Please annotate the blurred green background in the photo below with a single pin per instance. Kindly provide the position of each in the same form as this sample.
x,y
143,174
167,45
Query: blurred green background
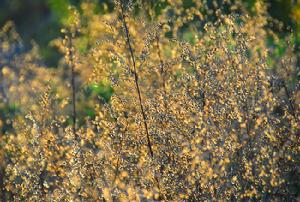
x,y
41,20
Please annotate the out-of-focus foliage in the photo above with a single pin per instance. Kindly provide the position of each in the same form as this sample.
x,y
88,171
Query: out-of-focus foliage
x,y
178,100
40,20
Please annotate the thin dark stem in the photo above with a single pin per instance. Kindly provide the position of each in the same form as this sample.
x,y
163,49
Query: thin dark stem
x,y
136,80
74,115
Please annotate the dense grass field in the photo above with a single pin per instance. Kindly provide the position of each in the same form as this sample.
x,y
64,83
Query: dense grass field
x,y
168,100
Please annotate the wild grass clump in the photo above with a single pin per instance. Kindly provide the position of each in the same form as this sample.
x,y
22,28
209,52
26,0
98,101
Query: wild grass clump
x,y
195,108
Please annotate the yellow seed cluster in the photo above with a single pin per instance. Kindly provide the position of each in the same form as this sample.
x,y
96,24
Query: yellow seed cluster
x,y
193,84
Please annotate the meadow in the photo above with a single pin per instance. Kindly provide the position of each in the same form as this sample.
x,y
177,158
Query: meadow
x,y
178,100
